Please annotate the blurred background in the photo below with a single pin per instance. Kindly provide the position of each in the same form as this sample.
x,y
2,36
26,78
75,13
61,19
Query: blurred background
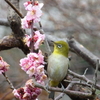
x,y
60,19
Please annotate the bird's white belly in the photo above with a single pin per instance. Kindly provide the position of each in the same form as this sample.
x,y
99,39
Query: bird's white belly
x,y
57,67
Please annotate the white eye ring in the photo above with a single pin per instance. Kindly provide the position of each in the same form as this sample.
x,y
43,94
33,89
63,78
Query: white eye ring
x,y
59,46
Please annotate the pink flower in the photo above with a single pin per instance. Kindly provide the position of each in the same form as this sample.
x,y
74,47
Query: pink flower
x,y
3,66
28,92
34,14
18,93
27,40
38,39
28,5
25,64
31,71
15,92
25,23
41,57
30,82
30,63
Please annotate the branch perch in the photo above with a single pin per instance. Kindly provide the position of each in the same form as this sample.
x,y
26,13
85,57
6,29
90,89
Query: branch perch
x,y
83,52
68,92
10,41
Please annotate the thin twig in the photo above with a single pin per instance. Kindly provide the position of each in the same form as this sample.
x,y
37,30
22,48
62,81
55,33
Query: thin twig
x,y
76,82
84,74
85,71
32,41
83,78
40,25
7,79
17,11
60,96
95,77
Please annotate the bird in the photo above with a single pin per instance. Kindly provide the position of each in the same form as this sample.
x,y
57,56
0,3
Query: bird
x,y
58,64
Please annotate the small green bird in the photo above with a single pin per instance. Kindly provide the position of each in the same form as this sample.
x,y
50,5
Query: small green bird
x,y
58,63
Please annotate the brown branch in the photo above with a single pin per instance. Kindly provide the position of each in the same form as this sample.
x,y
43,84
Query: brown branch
x,y
80,50
9,42
17,11
68,92
9,82
16,39
15,21
4,22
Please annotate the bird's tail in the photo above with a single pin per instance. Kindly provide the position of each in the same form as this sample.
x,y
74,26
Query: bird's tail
x,y
51,95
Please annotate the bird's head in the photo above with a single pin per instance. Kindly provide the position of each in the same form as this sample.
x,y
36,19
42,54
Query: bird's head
x,y
61,47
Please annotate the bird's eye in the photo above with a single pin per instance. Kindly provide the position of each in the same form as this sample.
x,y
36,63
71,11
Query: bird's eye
x,y
59,46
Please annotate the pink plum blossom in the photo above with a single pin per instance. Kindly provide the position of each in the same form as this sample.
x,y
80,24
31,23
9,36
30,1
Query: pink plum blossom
x,y
27,40
30,63
27,4
38,39
3,66
25,23
34,13
18,93
28,92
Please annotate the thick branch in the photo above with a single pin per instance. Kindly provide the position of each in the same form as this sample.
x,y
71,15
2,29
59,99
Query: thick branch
x,y
14,20
83,52
16,40
9,42
3,22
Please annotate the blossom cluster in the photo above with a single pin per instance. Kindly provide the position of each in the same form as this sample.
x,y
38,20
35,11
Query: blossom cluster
x,y
34,13
33,66
28,92
37,38
3,66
